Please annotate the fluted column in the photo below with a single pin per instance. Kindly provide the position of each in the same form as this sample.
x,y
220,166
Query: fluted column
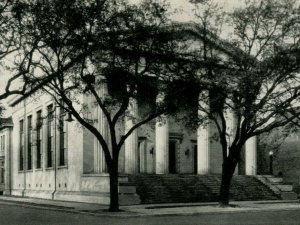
x,y
250,155
203,143
161,146
131,143
203,146
231,123
101,125
161,141
231,127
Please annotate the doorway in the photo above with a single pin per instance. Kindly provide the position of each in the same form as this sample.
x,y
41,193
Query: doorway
x,y
172,156
195,158
142,155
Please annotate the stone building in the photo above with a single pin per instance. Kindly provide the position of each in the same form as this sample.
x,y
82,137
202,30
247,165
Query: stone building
x,y
51,156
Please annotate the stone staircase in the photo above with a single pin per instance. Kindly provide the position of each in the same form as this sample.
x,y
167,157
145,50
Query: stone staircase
x,y
250,188
127,192
194,188
276,184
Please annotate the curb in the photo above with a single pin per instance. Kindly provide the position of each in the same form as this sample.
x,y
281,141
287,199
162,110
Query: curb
x,y
130,214
68,209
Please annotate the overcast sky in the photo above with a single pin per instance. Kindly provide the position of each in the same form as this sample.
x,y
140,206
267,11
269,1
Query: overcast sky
x,y
186,7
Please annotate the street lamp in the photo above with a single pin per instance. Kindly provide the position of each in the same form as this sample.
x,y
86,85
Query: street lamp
x,y
69,119
271,162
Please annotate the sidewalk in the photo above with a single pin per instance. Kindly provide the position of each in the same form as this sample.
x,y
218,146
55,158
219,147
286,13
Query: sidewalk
x,y
152,210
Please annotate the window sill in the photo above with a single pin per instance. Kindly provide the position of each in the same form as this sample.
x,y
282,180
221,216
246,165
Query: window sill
x,y
38,169
62,167
30,170
95,175
49,168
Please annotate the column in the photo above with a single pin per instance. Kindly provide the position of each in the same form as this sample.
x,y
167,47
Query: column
x,y
203,148
101,124
250,155
203,143
131,143
161,141
231,127
161,146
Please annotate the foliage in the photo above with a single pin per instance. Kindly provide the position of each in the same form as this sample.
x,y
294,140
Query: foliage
x,y
260,85
79,49
74,48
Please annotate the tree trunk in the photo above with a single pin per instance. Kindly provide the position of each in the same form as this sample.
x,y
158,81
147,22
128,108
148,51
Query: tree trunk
x,y
228,168
114,188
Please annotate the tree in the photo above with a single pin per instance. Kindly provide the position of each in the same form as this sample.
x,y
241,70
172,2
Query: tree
x,y
79,47
16,52
9,44
260,84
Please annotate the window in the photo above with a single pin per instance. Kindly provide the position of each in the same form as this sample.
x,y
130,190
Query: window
x,y
21,145
2,139
39,125
62,138
50,145
2,179
29,142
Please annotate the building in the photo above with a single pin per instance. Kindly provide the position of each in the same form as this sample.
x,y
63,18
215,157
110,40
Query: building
x,y
51,156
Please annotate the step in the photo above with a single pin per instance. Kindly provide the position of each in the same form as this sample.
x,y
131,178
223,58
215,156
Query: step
x,y
289,195
127,189
129,199
123,179
275,179
284,187
164,188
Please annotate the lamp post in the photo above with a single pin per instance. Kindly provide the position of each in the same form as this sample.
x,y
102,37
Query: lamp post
x,y
271,162
69,119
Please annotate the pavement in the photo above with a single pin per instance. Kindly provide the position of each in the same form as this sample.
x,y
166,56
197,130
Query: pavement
x,y
152,209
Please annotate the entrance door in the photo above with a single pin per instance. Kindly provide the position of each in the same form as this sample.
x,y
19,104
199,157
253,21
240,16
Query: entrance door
x,y
172,156
2,172
195,159
142,156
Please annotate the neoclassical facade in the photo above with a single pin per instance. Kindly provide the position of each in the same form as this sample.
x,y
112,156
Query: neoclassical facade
x,y
51,156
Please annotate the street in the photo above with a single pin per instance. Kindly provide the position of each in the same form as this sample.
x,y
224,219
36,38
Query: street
x,y
14,214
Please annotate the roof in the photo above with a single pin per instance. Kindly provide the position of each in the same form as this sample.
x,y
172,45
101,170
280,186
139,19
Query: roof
x,y
194,30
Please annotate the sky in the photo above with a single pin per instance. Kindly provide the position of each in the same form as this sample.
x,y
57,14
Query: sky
x,y
186,8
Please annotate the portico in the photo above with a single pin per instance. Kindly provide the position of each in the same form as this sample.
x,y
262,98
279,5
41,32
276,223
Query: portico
x,y
164,146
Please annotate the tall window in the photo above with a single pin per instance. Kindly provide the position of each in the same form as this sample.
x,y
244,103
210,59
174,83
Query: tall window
x,y
50,136
21,146
39,125
2,143
2,169
62,138
29,142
